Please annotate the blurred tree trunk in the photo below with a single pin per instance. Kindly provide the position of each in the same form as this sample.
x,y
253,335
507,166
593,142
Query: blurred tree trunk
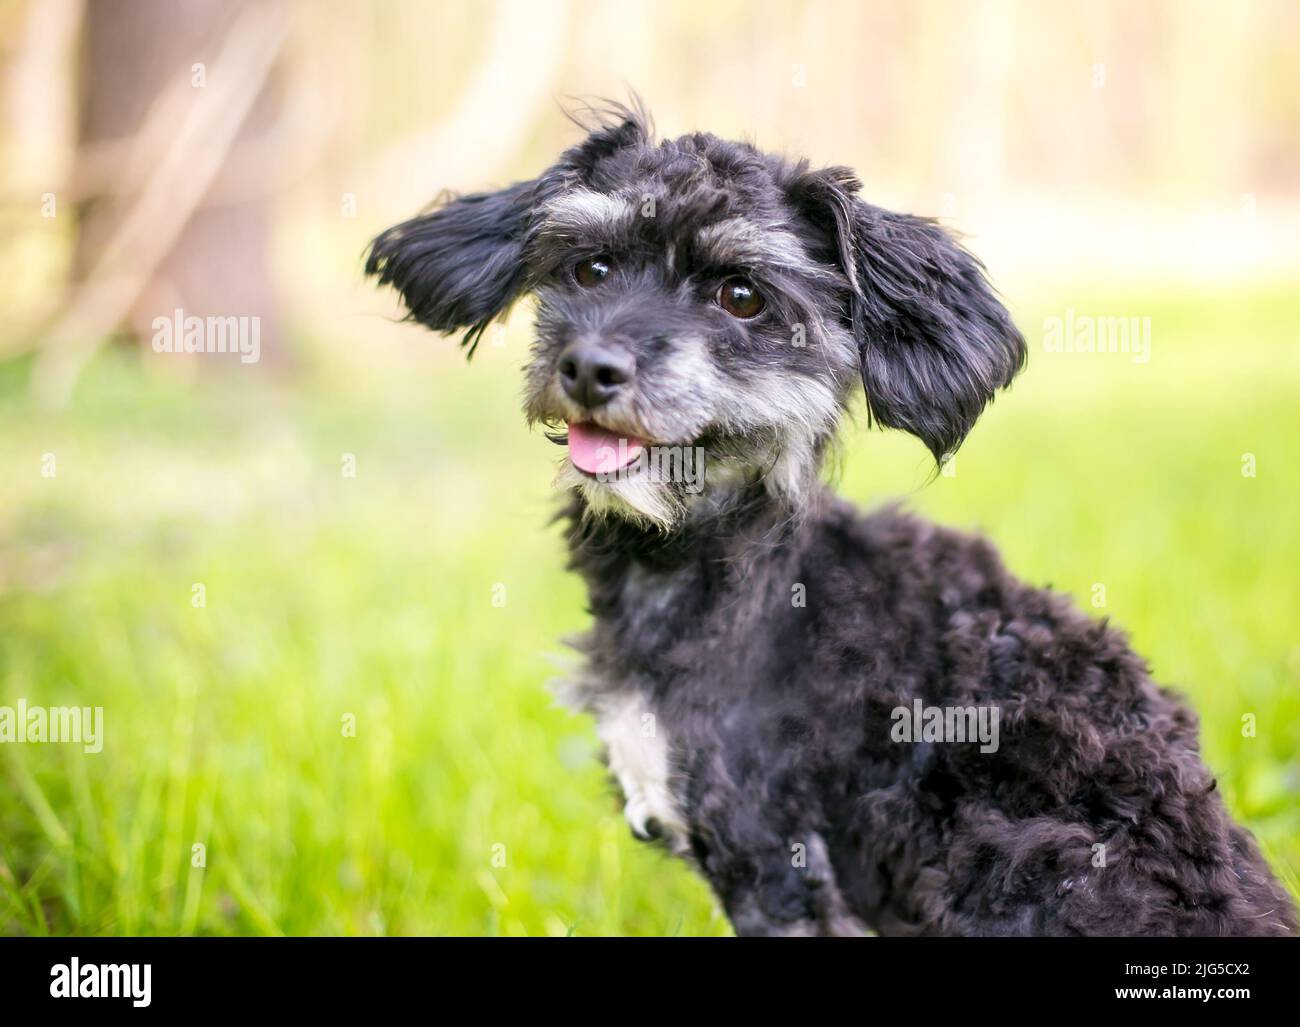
x,y
134,52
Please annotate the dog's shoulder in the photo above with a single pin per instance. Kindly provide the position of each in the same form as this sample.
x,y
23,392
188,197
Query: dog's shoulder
x,y
893,549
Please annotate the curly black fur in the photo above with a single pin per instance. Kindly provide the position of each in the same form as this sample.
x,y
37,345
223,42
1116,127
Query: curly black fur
x,y
780,716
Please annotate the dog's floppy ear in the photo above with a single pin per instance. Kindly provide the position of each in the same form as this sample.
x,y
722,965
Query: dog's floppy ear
x,y
933,340
461,264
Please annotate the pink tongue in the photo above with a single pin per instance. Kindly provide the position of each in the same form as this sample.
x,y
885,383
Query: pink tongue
x,y
598,451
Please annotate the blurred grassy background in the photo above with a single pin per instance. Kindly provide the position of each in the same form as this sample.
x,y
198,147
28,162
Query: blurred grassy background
x,y
468,802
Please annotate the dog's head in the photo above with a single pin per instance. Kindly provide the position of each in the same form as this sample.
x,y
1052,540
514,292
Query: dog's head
x,y
702,306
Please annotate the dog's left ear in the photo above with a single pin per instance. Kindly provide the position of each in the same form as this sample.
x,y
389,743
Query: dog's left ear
x,y
461,264
933,340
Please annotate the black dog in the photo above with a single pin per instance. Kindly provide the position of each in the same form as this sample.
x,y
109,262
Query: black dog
x,y
847,723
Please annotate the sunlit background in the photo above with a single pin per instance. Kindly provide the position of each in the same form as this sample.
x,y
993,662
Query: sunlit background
x,y
317,595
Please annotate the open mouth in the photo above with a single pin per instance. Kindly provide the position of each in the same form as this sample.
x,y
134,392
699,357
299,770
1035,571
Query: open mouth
x,y
595,450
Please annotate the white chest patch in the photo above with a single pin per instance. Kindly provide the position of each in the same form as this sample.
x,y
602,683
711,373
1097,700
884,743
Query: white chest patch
x,y
638,757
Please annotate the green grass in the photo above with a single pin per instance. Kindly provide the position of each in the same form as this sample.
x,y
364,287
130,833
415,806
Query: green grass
x,y
468,802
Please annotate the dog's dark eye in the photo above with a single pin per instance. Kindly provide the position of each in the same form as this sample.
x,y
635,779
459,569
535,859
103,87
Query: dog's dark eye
x,y
739,298
591,272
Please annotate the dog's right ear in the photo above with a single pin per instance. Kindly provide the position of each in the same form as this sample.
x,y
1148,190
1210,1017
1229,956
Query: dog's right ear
x,y
461,264
934,341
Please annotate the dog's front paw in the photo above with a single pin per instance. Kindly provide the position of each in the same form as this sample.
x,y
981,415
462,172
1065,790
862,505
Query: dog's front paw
x,y
637,755
645,826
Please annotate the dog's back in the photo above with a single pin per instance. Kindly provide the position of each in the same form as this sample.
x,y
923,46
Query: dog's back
x,y
1095,813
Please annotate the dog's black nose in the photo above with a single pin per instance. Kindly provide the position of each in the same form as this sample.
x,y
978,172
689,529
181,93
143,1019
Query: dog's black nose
x,y
592,373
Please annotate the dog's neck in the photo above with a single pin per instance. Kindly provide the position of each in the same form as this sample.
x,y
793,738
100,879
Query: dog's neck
x,y
648,587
